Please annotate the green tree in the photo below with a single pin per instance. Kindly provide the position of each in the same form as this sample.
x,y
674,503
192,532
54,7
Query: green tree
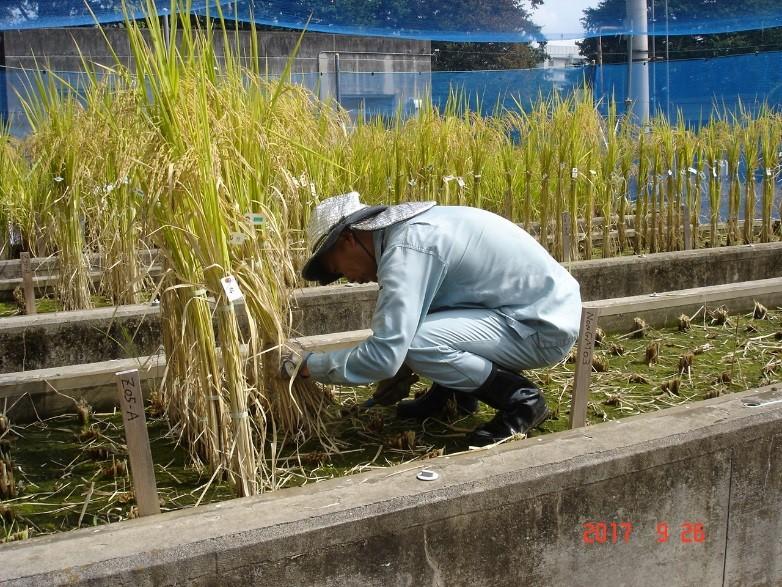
x,y
473,56
20,12
435,19
608,14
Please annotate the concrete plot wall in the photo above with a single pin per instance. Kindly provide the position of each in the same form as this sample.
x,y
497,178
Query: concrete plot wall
x,y
695,492
54,340
621,277
88,336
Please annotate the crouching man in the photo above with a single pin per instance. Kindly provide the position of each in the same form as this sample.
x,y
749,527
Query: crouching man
x,y
466,299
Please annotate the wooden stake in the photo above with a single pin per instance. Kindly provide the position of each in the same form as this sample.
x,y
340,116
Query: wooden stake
x,y
585,352
687,228
137,437
27,283
5,240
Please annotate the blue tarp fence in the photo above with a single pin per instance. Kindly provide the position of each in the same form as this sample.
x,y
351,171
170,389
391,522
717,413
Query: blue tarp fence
x,y
449,20
693,88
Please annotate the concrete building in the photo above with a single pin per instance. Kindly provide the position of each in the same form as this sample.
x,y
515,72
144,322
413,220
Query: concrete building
x,y
560,56
379,74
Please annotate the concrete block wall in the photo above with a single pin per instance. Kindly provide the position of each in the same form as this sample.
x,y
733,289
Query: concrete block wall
x,y
53,340
695,492
58,49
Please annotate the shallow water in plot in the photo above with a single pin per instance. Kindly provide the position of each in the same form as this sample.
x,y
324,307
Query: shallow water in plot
x,y
74,475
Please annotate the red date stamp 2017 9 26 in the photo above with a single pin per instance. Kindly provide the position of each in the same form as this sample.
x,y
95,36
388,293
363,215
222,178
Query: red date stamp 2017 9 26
x,y
615,532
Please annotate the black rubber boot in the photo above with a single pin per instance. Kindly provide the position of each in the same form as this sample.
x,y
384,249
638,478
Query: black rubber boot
x,y
519,403
434,401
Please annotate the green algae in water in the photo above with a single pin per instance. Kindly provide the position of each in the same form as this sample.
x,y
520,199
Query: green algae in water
x,y
59,462
47,305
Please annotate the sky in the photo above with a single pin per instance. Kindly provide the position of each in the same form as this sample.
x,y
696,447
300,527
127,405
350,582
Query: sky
x,y
562,16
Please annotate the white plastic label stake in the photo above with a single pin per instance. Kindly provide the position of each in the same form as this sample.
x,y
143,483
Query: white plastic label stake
x,y
768,172
237,238
254,218
231,288
460,181
574,173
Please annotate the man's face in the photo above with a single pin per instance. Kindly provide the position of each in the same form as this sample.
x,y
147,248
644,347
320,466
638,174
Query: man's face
x,y
349,259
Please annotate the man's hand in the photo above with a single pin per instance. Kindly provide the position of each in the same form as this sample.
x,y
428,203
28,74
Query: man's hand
x,y
389,391
293,360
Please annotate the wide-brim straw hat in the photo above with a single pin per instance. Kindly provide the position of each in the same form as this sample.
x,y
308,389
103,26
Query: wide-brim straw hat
x,y
333,215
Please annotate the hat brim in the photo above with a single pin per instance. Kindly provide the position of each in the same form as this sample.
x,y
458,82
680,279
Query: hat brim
x,y
313,269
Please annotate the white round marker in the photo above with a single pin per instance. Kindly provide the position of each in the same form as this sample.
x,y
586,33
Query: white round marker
x,y
427,475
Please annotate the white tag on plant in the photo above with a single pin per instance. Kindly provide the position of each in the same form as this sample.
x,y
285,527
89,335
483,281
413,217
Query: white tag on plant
x,y
231,288
254,218
237,238
574,173
460,181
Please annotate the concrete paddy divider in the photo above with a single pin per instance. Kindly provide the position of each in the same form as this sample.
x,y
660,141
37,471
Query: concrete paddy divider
x,y
45,272
67,338
690,495
55,390
29,395
86,336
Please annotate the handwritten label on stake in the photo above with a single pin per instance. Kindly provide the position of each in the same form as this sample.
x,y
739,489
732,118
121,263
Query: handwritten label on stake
x,y
583,376
137,438
27,283
231,288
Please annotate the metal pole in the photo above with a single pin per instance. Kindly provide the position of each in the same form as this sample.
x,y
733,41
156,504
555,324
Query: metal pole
x,y
638,60
166,29
653,65
336,77
3,82
667,67
600,63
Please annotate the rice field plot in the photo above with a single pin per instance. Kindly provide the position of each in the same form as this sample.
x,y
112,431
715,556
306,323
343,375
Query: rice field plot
x,y
705,356
71,471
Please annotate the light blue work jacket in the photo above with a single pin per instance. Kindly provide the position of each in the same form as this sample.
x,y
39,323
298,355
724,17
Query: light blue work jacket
x,y
454,257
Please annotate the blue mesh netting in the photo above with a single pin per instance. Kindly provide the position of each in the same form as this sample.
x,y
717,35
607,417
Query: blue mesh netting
x,y
693,87
454,20
38,14
690,86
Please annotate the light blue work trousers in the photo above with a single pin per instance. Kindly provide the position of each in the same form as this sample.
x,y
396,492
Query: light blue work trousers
x,y
456,348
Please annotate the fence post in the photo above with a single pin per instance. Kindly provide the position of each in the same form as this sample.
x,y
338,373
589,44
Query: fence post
x,y
687,228
137,437
585,351
27,283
